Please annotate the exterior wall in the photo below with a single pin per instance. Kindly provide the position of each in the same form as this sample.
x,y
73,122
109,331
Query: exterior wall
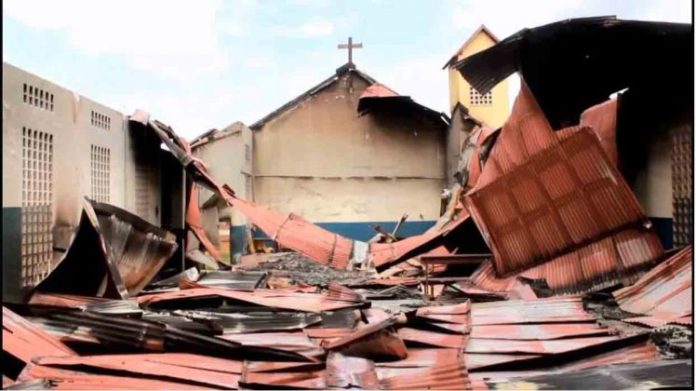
x,y
493,115
322,161
82,151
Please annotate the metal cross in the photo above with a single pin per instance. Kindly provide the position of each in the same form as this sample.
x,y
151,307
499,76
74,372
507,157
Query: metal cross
x,y
350,46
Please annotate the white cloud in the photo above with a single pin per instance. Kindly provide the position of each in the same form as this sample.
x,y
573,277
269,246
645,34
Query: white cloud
x,y
172,38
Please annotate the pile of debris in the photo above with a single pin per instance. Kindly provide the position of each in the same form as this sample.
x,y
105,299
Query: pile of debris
x,y
571,287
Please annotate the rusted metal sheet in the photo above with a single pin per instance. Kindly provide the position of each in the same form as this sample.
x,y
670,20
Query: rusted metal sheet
x,y
62,379
337,291
683,185
195,223
327,333
551,310
538,331
267,376
25,340
549,203
378,90
296,342
595,266
432,338
659,321
450,375
513,346
664,291
63,300
111,245
348,372
189,368
298,301
602,119
371,340
478,361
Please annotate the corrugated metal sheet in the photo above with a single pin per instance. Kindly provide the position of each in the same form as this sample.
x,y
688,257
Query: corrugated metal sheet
x,y
664,291
550,310
659,321
299,301
595,266
378,90
287,377
538,331
374,339
570,195
602,119
450,375
348,372
26,340
432,338
555,346
296,342
190,368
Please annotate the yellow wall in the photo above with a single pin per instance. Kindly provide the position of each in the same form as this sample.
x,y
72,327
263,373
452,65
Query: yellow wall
x,y
492,115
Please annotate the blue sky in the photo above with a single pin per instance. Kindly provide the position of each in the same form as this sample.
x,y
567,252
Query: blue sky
x,y
204,64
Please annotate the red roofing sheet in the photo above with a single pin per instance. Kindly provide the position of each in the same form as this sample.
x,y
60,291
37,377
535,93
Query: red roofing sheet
x,y
570,195
383,254
378,90
423,358
205,370
550,310
450,375
193,220
296,342
602,119
555,346
292,377
373,339
538,331
432,338
664,291
296,233
348,372
659,321
73,380
299,301
474,361
26,340
595,266
63,300
337,291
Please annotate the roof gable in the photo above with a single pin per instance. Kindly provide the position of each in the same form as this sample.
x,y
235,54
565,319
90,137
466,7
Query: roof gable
x,y
481,30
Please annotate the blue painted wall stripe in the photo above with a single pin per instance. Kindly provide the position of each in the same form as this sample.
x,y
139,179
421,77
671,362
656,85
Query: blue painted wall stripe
x,y
363,230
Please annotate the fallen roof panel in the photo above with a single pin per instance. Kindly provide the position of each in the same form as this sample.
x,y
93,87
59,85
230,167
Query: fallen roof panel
x,y
664,291
538,331
25,340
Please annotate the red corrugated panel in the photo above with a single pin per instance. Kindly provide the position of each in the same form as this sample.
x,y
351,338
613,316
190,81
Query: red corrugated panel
x,y
71,380
201,369
538,331
595,266
327,333
423,358
555,346
194,222
282,377
299,301
482,360
296,342
664,291
383,254
26,340
378,90
550,310
450,375
432,338
63,300
348,372
298,234
569,195
659,321
337,291
602,119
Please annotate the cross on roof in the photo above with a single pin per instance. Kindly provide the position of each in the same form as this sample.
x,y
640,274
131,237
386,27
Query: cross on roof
x,y
350,46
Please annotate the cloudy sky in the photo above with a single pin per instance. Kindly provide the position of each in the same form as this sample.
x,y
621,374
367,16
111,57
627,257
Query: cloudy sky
x,y
204,64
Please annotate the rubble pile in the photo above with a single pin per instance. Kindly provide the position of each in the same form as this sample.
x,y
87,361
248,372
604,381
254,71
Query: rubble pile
x,y
576,290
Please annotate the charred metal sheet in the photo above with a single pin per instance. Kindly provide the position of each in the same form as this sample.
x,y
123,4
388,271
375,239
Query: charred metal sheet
x,y
348,372
673,374
664,291
659,321
307,302
378,98
576,63
605,263
296,342
566,197
113,254
253,322
235,280
63,300
374,340
432,338
25,340
190,368
538,331
152,336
